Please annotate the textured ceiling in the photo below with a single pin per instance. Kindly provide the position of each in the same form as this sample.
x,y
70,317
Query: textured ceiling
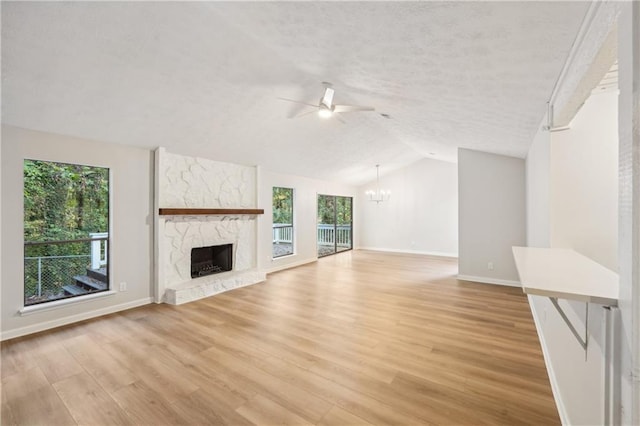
x,y
204,78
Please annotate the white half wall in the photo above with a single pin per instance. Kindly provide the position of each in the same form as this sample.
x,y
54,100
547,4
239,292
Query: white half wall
x,y
305,196
491,193
131,257
420,217
572,203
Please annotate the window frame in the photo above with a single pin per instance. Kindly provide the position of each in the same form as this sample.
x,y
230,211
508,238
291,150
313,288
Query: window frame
x,y
292,225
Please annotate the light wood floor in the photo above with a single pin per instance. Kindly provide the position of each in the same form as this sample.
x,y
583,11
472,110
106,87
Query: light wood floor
x,y
357,338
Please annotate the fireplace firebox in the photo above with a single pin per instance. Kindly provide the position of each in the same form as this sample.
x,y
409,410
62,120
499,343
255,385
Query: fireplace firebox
x,y
211,260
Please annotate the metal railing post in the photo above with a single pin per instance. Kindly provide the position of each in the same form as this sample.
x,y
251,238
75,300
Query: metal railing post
x,y
39,276
95,254
97,239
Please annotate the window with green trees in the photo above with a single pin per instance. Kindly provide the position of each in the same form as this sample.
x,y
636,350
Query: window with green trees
x,y
66,230
282,221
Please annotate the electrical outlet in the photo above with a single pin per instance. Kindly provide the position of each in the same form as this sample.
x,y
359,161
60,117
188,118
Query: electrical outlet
x,y
490,266
123,286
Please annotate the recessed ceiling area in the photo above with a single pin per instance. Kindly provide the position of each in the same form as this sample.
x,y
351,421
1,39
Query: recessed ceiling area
x,y
609,82
204,78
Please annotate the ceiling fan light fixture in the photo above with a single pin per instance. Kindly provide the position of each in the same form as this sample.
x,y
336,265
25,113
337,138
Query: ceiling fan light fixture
x,y
325,112
326,107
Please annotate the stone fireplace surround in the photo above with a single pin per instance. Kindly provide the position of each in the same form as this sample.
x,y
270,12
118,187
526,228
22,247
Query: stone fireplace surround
x,y
189,182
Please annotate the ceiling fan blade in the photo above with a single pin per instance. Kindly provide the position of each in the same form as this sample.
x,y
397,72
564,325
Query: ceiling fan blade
x,y
337,117
350,108
298,102
327,98
303,114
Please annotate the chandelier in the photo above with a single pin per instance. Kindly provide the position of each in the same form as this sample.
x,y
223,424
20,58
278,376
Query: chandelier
x,y
378,195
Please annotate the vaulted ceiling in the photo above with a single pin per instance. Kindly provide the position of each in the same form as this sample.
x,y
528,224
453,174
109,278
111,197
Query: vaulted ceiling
x,y
205,78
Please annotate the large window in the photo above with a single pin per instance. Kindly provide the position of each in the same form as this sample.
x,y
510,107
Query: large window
x,y
334,231
282,222
66,230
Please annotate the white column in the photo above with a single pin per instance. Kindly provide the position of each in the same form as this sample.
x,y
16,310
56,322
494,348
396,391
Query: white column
x,y
158,225
629,210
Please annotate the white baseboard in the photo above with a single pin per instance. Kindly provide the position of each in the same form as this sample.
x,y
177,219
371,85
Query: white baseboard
x,y
486,280
42,326
428,253
555,388
290,265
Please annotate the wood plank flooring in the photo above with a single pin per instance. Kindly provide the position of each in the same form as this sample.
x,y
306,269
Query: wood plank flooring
x,y
357,338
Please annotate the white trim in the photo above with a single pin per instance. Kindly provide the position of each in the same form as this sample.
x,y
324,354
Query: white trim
x,y
257,224
289,265
284,256
62,303
487,280
428,253
158,224
555,387
23,331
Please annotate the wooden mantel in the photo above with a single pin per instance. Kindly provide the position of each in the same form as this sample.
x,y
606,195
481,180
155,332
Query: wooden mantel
x,y
191,212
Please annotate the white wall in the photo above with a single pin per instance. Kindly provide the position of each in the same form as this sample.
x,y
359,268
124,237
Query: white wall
x,y
305,195
538,188
491,191
1,226
420,217
584,176
572,202
131,225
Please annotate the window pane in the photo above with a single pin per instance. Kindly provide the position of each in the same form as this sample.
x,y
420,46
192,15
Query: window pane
x,y
343,223
335,219
326,232
282,221
66,229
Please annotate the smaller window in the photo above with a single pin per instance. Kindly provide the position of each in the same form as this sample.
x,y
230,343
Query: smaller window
x,y
282,222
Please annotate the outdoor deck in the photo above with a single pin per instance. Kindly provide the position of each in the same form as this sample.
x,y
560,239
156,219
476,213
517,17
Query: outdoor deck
x,y
330,239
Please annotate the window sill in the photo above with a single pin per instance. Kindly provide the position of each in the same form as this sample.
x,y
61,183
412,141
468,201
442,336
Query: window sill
x,y
58,304
284,256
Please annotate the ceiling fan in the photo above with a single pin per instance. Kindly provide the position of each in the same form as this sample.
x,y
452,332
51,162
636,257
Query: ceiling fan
x,y
326,108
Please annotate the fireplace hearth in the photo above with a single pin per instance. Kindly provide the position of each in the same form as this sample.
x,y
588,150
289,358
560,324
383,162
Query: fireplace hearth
x,y
211,260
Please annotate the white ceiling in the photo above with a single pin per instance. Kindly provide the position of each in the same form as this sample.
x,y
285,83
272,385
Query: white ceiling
x,y
204,78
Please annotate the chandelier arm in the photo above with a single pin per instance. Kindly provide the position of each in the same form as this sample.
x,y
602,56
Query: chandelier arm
x,y
378,195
